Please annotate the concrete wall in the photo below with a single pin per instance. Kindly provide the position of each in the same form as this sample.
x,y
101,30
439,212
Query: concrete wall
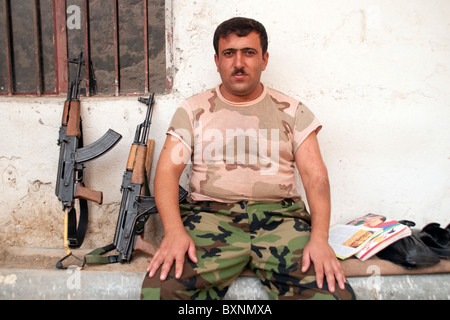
x,y
376,73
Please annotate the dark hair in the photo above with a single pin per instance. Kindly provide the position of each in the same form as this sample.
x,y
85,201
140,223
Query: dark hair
x,y
242,28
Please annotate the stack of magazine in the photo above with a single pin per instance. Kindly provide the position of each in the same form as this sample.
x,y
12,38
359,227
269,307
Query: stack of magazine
x,y
365,236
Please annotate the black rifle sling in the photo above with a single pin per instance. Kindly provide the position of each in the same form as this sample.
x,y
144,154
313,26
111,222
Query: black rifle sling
x,y
76,233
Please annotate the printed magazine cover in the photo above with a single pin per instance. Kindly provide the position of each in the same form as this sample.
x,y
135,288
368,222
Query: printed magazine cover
x,y
366,236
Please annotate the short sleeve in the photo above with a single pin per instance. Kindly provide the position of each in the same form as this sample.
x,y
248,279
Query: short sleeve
x,y
181,127
305,124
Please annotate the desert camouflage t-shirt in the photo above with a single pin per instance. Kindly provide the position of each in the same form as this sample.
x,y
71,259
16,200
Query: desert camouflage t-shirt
x,y
241,151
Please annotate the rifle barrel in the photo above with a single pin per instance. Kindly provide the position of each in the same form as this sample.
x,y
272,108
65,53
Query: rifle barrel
x,y
143,129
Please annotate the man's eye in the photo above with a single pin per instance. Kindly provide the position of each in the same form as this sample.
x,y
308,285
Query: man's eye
x,y
250,53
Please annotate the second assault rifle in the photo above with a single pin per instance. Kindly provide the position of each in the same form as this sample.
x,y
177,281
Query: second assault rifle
x,y
72,156
137,204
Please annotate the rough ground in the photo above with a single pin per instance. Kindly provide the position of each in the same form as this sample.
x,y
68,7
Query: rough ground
x,y
38,258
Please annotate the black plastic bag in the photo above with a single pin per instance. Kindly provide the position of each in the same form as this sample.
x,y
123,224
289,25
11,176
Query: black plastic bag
x,y
437,239
410,253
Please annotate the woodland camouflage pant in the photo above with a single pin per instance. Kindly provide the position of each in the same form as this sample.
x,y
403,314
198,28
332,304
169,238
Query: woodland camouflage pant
x,y
268,238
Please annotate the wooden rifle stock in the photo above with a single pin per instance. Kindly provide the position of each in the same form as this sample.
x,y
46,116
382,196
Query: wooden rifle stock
x,y
71,118
138,176
65,116
149,158
132,157
140,161
81,192
145,247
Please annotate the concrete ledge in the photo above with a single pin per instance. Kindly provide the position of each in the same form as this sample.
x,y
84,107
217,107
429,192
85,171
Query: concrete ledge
x,y
28,273
70,284
75,284
402,287
398,287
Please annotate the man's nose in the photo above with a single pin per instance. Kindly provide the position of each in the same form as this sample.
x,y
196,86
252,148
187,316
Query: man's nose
x,y
239,60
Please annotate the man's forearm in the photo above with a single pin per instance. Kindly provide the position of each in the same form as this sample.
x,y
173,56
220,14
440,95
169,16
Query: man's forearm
x,y
167,187
318,197
315,180
166,198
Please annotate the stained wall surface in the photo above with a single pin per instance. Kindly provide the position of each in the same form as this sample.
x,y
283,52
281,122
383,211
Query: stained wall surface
x,y
376,74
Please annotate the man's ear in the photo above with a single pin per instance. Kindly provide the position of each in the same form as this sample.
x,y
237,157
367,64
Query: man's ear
x,y
265,60
216,60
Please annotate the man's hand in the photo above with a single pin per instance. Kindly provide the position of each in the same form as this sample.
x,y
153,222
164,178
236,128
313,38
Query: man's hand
x,y
173,248
325,262
314,176
176,241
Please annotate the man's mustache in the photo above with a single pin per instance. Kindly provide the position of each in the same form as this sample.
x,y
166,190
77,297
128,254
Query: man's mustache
x,y
238,70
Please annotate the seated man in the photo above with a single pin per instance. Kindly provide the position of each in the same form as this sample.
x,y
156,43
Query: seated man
x,y
244,140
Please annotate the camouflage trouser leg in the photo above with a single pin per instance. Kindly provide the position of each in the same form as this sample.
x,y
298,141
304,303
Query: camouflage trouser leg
x,y
268,238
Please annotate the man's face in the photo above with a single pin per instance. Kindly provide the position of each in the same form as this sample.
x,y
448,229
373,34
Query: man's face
x,y
240,63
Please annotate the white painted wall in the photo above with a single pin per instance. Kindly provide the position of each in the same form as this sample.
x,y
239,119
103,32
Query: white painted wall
x,y
376,73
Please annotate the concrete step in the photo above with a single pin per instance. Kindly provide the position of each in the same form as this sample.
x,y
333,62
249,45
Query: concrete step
x,y
76,284
29,274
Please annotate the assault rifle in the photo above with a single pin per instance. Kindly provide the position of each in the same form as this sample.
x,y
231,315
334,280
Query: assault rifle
x,y
72,156
136,205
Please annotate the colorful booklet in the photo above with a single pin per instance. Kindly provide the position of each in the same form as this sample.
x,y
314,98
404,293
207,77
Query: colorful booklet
x,y
366,236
